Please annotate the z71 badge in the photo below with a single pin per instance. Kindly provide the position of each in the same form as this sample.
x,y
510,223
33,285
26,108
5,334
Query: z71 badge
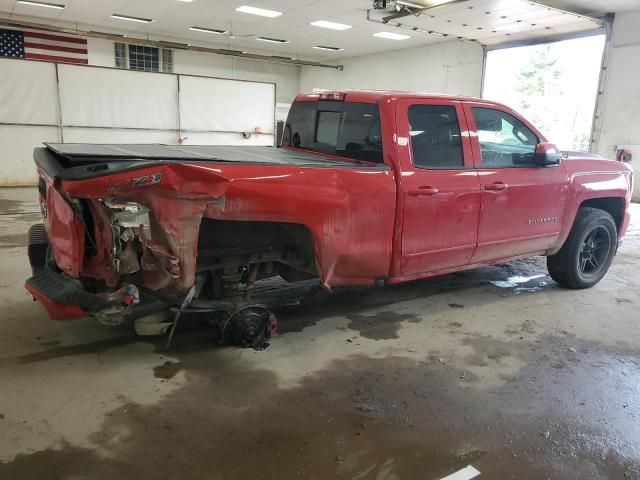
x,y
136,182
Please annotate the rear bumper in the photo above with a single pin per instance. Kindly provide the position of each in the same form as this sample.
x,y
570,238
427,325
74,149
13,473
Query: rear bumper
x,y
63,297
55,310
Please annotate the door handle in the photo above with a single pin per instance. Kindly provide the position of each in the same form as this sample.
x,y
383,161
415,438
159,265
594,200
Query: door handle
x,y
496,186
426,191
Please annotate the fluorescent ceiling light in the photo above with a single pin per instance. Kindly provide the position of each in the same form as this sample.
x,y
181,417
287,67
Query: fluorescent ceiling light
x,y
186,1
331,25
391,36
272,40
263,12
42,4
331,49
208,30
131,19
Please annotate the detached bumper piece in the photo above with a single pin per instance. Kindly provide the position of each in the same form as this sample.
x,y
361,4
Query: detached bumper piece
x,y
65,298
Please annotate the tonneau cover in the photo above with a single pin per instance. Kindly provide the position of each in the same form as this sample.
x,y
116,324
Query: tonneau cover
x,y
83,153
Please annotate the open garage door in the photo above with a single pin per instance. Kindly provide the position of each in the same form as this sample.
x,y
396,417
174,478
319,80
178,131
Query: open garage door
x,y
554,85
489,22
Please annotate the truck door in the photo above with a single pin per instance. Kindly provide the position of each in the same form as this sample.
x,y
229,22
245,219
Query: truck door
x,y
439,186
522,203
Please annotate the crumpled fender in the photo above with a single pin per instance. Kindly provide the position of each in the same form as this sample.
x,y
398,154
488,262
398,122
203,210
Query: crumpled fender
x,y
349,211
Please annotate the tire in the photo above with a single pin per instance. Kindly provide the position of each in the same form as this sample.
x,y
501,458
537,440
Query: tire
x,y
588,251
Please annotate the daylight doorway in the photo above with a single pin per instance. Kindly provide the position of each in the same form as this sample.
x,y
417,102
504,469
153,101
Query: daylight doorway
x,y
554,85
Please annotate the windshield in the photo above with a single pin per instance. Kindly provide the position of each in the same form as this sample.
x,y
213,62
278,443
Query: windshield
x,y
345,129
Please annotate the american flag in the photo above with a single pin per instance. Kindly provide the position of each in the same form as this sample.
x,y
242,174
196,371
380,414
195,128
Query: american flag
x,y
41,45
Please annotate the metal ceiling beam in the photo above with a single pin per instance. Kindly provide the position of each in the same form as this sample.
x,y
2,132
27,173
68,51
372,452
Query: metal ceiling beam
x,y
410,28
602,20
5,22
406,11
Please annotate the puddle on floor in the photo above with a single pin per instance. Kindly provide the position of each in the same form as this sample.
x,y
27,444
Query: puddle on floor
x,y
514,281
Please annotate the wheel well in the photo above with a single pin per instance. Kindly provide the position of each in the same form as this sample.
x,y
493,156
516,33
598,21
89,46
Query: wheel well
x,y
228,242
612,205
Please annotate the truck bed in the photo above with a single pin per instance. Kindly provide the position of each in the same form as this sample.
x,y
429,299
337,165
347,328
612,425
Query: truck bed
x,y
80,153
78,161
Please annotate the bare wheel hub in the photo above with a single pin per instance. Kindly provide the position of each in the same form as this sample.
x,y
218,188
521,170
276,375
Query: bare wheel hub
x,y
249,327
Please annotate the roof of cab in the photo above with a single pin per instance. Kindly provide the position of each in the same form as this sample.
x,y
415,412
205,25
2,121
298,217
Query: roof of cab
x,y
376,96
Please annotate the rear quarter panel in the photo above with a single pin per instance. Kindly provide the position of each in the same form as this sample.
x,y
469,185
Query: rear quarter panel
x,y
349,211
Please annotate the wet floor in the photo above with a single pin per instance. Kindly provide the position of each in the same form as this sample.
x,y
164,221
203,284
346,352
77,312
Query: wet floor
x,y
497,368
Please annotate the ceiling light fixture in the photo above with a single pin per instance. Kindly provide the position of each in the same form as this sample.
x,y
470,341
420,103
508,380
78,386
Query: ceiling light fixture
x,y
272,40
208,30
42,4
186,1
331,25
263,12
331,49
132,19
391,36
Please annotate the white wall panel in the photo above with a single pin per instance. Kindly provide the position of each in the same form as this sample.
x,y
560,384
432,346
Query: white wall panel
x,y
203,64
226,105
117,135
449,67
101,52
198,138
101,97
16,159
28,92
286,77
619,107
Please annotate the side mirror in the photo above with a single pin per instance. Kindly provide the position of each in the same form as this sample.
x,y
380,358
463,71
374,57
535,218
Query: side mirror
x,y
547,154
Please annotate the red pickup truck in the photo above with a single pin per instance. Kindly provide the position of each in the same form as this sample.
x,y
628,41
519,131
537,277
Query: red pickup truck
x,y
367,188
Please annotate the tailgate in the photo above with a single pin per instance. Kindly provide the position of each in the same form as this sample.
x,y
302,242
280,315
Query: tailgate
x,y
64,227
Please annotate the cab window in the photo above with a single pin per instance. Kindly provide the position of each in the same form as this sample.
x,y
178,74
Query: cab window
x,y
344,129
504,140
435,137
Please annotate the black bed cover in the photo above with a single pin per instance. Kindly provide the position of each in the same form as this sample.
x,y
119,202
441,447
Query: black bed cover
x,y
83,153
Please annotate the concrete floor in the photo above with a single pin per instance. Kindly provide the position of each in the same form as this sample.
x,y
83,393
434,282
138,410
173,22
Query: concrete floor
x,y
412,381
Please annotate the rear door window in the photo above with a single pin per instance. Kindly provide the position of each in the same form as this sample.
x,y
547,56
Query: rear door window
x,y
435,137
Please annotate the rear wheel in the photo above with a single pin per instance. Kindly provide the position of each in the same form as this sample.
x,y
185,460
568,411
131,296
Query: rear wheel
x,y
587,253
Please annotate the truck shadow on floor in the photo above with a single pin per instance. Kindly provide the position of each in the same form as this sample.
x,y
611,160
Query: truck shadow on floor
x,y
303,304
